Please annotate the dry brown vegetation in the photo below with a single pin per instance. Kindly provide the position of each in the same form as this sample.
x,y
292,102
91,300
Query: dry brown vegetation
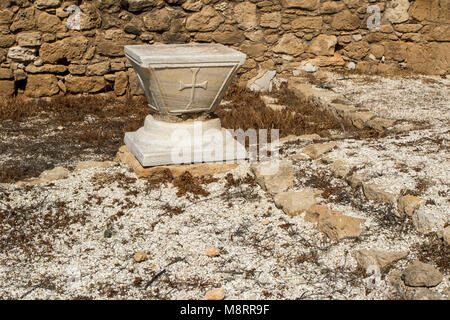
x,y
92,127
249,111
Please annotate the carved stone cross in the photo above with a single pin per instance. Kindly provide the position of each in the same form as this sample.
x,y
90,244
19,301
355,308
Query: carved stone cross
x,y
193,85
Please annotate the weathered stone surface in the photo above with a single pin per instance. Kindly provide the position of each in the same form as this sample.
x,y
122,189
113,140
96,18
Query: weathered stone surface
x,y
84,84
21,54
331,7
98,69
24,20
301,4
42,85
50,23
345,20
395,50
45,4
253,49
72,48
423,294
340,169
192,5
6,16
338,227
29,39
316,150
275,176
262,82
206,20
408,27
380,124
382,259
426,220
419,274
158,20
307,22
7,88
135,87
376,193
439,33
85,165
46,68
430,11
7,41
121,83
290,44
245,15
230,37
199,169
408,204
5,74
212,252
295,202
357,50
140,5
314,212
140,256
359,119
270,20
431,58
215,294
446,235
57,173
397,11
323,45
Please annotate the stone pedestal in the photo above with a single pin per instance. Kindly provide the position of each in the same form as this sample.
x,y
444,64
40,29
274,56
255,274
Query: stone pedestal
x,y
161,142
182,79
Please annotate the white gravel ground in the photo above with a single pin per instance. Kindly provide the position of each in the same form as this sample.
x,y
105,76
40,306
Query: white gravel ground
x,y
56,259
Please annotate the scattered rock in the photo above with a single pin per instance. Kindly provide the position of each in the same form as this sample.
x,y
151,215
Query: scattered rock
x,y
295,202
423,294
313,213
140,256
426,220
57,173
374,192
275,176
446,235
408,204
356,180
199,169
316,150
215,294
83,165
340,169
382,259
212,252
338,227
419,274
262,82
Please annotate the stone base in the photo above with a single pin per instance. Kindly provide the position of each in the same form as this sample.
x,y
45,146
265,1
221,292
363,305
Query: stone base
x,y
200,169
160,143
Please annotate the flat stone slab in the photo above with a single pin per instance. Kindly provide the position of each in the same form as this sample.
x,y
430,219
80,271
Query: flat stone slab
x,y
198,169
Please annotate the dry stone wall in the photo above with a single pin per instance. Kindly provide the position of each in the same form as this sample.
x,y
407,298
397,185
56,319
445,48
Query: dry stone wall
x,y
51,47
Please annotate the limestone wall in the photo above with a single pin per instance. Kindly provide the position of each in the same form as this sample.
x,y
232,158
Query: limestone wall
x,y
42,52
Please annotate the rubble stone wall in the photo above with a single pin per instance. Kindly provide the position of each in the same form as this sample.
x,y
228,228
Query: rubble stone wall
x,y
46,51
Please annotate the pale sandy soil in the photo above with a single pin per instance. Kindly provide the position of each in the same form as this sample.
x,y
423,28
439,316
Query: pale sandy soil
x,y
53,243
